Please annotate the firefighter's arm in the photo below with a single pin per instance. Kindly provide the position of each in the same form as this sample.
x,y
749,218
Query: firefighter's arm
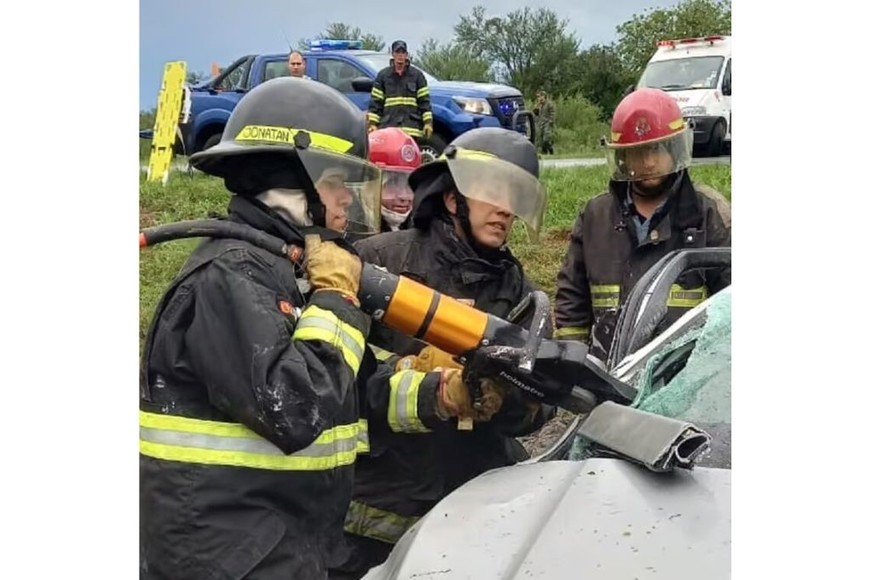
x,y
376,104
282,372
573,309
514,415
421,393
424,104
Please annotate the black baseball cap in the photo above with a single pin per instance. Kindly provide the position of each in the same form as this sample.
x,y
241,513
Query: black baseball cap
x,y
398,46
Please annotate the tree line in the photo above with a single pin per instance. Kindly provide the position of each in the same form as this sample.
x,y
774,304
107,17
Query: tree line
x,y
534,49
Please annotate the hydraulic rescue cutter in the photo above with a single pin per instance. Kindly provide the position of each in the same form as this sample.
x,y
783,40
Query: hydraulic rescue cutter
x,y
554,372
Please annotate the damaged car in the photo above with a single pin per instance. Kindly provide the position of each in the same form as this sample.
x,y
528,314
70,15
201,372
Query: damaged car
x,y
628,491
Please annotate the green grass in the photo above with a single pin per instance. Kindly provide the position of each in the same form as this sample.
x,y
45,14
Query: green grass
x,y
195,196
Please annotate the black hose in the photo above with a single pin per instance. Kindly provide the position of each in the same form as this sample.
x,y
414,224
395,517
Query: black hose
x,y
213,228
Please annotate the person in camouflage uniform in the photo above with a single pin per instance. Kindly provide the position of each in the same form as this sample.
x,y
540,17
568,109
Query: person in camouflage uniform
x,y
545,119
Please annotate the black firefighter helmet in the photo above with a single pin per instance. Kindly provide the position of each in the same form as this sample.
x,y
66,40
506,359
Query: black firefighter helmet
x,y
489,164
294,133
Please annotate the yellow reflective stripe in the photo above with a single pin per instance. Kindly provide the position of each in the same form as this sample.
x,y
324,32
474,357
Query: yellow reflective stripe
x,y
216,443
380,353
374,118
399,101
423,92
571,333
377,93
427,117
463,153
680,297
362,437
319,324
604,295
402,410
372,522
412,131
267,134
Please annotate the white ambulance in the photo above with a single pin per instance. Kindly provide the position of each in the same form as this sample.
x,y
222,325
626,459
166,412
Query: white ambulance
x,y
697,73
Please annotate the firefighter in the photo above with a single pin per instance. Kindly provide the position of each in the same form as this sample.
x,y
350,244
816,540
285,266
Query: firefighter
x,y
397,154
400,96
251,416
651,208
465,205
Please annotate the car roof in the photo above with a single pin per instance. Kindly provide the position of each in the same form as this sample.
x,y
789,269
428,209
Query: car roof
x,y
350,52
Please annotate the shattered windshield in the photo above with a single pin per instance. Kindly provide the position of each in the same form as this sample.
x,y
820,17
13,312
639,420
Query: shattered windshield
x,y
689,378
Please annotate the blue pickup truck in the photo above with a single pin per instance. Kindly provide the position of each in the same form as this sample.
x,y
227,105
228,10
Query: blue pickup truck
x,y
342,64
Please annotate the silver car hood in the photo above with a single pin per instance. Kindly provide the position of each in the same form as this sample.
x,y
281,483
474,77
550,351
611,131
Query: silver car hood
x,y
593,519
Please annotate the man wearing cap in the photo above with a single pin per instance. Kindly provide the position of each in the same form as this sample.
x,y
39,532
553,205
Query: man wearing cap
x,y
400,97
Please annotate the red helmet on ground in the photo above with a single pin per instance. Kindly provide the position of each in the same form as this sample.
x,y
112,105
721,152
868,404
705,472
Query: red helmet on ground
x,y
649,137
397,154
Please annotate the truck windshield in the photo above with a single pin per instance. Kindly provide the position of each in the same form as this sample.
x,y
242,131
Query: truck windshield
x,y
700,72
380,60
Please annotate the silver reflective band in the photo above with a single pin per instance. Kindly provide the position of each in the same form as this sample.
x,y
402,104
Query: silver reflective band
x,y
329,326
243,444
402,417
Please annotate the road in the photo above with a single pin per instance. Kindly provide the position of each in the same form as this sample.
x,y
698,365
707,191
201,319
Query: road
x,y
589,162
554,163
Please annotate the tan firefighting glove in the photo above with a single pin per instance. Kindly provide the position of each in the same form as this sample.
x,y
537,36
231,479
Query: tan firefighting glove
x,y
427,360
427,130
330,267
454,399
372,128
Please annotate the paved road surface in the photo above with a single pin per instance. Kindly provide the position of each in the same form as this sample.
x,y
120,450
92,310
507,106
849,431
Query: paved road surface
x,y
563,163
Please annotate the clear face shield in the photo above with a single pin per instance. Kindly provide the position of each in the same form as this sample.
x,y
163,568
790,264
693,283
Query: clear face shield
x,y
349,188
488,179
651,160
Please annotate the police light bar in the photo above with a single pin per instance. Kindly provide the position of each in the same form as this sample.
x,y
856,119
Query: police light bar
x,y
332,44
700,39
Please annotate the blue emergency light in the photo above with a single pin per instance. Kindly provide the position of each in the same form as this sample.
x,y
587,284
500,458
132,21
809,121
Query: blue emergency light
x,y
331,44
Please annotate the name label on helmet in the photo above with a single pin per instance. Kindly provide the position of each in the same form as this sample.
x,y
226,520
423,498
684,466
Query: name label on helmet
x,y
290,136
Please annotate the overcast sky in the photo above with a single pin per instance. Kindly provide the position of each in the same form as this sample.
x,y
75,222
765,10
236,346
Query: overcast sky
x,y
204,31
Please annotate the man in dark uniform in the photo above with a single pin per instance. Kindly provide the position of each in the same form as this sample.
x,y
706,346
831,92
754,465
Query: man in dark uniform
x,y
651,208
400,96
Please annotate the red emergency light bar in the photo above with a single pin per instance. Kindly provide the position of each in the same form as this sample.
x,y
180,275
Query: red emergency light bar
x,y
674,43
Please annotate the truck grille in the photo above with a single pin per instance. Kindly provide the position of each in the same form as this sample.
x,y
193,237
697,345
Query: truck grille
x,y
505,108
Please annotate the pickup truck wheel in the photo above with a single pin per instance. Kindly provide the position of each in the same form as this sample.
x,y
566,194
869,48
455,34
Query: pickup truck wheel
x,y
432,148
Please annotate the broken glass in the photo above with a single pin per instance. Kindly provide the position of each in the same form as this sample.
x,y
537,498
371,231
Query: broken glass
x,y
689,378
